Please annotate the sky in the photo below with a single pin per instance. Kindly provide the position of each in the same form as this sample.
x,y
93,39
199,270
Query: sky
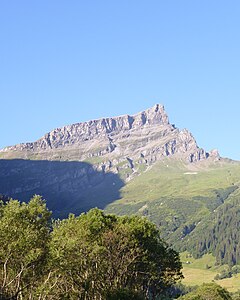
x,y
64,62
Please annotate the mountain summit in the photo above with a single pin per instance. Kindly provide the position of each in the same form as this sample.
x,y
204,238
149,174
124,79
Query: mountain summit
x,y
75,134
147,137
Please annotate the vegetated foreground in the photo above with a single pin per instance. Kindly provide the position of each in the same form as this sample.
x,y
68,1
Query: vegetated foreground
x,y
93,256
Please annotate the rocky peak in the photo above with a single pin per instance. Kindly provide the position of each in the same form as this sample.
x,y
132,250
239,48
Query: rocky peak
x,y
214,154
155,115
143,138
96,129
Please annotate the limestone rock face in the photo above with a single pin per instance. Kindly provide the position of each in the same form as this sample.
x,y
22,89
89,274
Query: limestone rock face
x,y
123,146
147,135
79,133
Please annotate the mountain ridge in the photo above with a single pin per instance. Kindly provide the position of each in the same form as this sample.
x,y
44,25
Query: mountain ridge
x,y
154,115
155,138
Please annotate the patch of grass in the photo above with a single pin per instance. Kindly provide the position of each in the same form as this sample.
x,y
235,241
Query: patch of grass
x,y
94,160
206,262
141,168
194,276
197,276
203,270
167,180
231,284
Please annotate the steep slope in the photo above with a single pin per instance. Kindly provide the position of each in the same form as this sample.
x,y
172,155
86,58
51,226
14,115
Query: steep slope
x,y
145,138
219,233
67,186
177,196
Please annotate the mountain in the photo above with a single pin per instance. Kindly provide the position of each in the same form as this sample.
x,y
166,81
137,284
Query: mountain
x,y
69,166
143,138
139,164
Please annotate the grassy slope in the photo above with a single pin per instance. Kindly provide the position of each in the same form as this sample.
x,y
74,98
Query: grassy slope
x,y
174,195
196,273
169,179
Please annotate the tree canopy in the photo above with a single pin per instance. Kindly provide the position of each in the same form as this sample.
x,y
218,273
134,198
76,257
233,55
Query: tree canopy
x,y
208,291
24,239
219,235
91,256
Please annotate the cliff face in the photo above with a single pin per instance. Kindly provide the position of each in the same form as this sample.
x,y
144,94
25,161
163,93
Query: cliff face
x,y
76,134
146,136
120,148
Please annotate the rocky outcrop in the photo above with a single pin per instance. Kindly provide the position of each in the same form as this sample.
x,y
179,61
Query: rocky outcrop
x,y
112,143
76,134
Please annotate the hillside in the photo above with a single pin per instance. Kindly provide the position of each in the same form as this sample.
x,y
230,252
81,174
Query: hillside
x,y
178,196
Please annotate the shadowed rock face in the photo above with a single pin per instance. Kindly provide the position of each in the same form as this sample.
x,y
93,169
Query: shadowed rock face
x,y
67,186
68,164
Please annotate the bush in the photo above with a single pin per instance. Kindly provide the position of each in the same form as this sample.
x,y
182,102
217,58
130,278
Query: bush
x,y
123,294
208,291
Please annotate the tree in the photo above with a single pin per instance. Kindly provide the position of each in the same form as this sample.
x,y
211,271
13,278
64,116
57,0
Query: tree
x,y
24,235
99,256
93,256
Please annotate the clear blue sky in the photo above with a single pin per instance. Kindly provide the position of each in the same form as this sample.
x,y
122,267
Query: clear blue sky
x,y
63,62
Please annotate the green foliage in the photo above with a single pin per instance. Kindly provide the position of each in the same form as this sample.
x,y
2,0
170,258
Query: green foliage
x,y
224,274
24,235
97,255
178,290
219,235
235,269
93,256
208,291
123,294
236,296
228,272
180,201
